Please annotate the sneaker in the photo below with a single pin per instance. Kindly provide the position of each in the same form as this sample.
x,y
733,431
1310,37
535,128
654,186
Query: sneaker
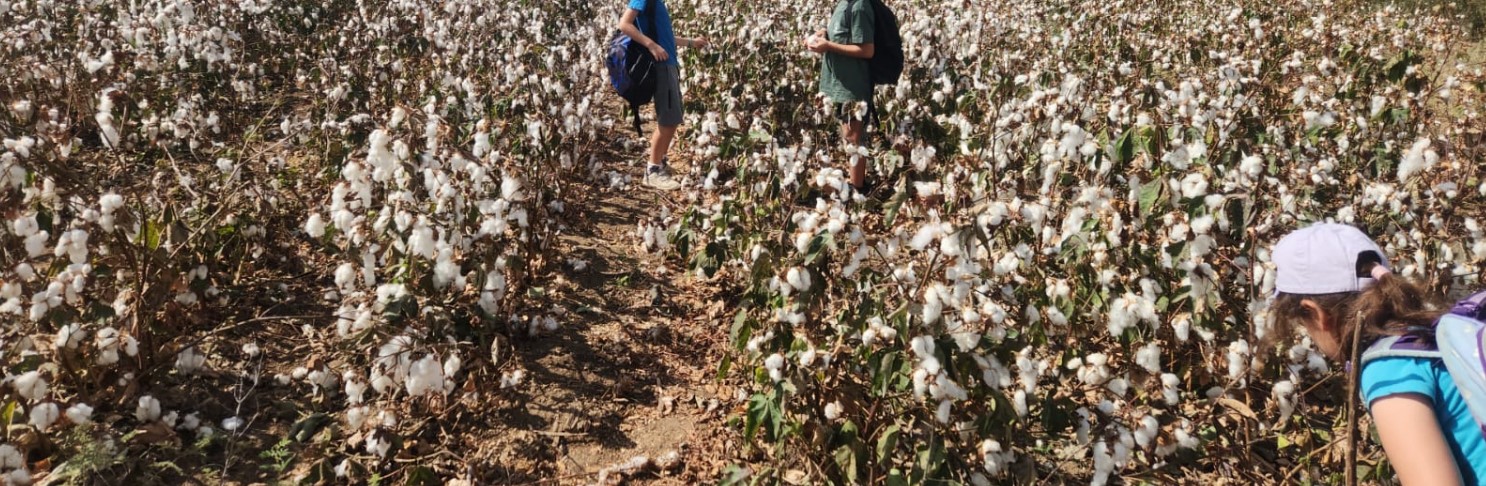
x,y
658,177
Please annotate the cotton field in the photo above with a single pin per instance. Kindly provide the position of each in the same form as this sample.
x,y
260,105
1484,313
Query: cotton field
x,y
250,241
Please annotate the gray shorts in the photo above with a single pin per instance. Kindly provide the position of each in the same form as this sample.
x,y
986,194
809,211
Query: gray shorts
x,y
668,95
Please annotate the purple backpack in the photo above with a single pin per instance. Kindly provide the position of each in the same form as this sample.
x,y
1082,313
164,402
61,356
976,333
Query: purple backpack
x,y
1459,340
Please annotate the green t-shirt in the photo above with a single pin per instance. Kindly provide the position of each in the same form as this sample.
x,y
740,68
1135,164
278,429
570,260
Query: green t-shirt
x,y
845,78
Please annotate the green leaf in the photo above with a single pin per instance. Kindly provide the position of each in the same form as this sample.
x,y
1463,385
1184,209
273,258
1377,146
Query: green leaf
x,y
887,442
817,244
722,369
741,332
150,235
895,478
896,203
758,413
846,460
7,414
1150,194
422,476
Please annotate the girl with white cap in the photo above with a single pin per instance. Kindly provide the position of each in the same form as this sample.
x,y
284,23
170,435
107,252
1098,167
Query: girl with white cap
x,y
1334,281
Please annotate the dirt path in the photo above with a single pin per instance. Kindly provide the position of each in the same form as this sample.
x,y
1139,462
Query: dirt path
x,y
631,372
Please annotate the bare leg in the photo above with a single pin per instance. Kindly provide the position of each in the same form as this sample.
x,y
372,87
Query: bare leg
x,y
660,143
852,131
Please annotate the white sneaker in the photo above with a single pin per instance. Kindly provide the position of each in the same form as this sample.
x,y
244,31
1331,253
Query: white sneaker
x,y
658,177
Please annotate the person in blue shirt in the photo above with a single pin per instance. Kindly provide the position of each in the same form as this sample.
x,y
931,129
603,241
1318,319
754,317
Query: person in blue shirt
x,y
649,23
1335,282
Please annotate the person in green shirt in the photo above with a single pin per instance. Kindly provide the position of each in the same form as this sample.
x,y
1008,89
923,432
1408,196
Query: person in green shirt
x,y
845,77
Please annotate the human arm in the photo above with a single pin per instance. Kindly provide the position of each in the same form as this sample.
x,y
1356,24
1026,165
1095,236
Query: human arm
x,y
693,42
1411,436
627,25
859,51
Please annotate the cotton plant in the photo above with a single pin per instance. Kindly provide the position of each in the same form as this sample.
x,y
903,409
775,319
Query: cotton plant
x,y
1130,228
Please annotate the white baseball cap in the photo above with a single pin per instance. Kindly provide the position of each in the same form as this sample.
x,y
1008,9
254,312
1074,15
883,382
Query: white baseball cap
x,y
1325,258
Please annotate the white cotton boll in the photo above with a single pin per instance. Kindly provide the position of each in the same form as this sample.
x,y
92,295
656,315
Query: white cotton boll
x,y
44,415
1194,186
36,244
80,414
1251,166
510,188
345,275
445,271
1149,357
377,445
1238,354
775,364
231,424
30,385
922,346
930,365
799,278
1119,386
1284,393
833,411
189,361
920,383
1185,439
315,226
942,412
966,341
26,272
421,242
426,375
1145,434
1169,382
10,457
1019,402
807,357
1416,159
18,477
932,308
69,336
355,391
1103,464
356,417
191,421
1182,327
927,234
148,409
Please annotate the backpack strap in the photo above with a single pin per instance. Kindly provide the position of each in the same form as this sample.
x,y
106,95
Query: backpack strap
x,y
1406,346
1473,307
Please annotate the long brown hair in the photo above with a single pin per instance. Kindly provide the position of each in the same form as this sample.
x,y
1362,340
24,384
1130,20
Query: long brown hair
x,y
1391,306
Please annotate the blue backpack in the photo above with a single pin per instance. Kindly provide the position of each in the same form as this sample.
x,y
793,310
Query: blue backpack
x,y
1459,340
632,68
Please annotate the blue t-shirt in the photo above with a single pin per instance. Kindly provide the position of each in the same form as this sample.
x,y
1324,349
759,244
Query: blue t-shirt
x,y
1429,378
661,31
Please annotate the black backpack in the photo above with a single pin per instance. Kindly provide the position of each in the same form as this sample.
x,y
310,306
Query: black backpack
x,y
886,64
632,69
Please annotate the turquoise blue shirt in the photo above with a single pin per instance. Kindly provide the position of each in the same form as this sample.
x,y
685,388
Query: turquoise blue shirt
x,y
661,31
1429,378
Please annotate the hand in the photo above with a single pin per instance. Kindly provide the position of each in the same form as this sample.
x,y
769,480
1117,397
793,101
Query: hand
x,y
659,53
817,44
699,43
